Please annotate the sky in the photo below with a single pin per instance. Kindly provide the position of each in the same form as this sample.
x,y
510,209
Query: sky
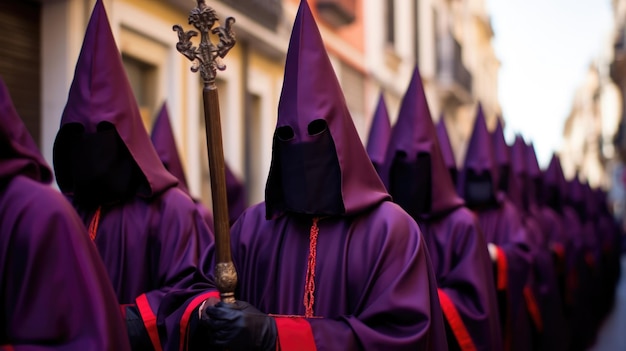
x,y
545,48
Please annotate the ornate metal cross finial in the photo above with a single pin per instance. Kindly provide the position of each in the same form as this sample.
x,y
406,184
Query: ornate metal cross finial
x,y
207,54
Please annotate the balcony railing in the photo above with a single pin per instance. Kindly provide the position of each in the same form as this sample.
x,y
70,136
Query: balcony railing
x,y
453,75
265,12
337,12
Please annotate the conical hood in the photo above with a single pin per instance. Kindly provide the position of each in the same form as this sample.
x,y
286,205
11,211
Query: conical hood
x,y
380,132
518,157
554,187
534,171
520,174
445,145
20,155
100,92
479,157
415,133
553,175
500,147
311,92
236,194
165,146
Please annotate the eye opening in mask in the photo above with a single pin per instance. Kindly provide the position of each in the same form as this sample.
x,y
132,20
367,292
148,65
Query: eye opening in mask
x,y
284,133
105,126
317,127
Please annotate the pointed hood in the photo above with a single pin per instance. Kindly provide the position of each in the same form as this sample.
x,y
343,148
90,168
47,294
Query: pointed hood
x,y
445,145
500,147
312,98
236,194
519,170
380,132
534,174
554,190
20,155
553,175
414,133
534,171
479,157
165,146
101,92
518,157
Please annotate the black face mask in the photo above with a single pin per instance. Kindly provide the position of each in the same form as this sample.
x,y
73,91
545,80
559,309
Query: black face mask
x,y
411,183
552,197
503,181
479,190
102,168
309,171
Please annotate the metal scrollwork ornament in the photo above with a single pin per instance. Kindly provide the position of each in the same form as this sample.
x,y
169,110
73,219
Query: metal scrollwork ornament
x,y
207,56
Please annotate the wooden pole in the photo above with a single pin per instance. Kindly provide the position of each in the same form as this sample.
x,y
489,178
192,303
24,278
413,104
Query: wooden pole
x,y
206,58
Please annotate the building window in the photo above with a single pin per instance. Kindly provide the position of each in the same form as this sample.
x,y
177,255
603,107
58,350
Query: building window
x,y
391,31
416,31
143,80
254,148
353,85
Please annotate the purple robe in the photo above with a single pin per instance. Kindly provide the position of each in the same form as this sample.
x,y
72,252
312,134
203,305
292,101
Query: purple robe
x,y
236,195
379,135
455,242
551,332
372,285
165,145
151,242
502,226
45,247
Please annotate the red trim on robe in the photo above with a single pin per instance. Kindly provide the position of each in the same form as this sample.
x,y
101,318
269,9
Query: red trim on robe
x,y
533,308
501,262
294,333
149,321
456,323
590,259
6,348
184,320
559,250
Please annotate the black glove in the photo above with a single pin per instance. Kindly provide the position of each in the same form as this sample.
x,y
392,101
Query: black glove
x,y
240,326
137,333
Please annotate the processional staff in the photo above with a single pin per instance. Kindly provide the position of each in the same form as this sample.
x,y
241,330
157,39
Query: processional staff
x,y
207,59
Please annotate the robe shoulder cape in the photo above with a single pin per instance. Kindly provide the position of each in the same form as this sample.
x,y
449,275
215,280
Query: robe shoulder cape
x,y
150,246
375,287
462,264
55,294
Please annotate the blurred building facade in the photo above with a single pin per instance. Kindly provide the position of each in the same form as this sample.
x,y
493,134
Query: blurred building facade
x,y
587,148
374,46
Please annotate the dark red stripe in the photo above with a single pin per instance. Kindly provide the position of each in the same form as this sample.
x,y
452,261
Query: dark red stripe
x,y
149,321
456,323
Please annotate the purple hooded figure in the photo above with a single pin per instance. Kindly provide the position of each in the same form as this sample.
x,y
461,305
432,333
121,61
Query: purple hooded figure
x,y
332,261
380,132
165,145
44,246
502,227
446,149
583,314
542,294
149,233
236,195
420,183
502,155
609,243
